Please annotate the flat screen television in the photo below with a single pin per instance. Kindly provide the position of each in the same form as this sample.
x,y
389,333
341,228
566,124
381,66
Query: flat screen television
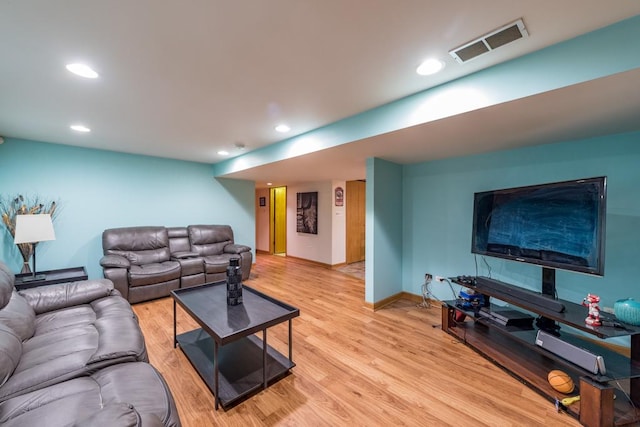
x,y
559,225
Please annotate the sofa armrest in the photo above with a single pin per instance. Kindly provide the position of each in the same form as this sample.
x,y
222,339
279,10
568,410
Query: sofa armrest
x,y
114,261
55,297
120,279
235,249
183,255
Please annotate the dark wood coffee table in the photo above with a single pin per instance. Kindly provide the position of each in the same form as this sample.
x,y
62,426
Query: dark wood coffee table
x,y
230,358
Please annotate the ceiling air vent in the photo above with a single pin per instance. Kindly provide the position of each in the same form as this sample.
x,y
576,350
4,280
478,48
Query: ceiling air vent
x,y
490,41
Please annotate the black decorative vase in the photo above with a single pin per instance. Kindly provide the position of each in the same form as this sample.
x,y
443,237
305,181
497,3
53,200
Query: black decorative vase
x,y
234,282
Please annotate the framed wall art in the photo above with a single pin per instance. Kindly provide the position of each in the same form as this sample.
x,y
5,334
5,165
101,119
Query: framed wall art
x,y
307,213
339,196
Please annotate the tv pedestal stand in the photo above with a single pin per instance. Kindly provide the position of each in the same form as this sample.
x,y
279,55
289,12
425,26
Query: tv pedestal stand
x,y
602,401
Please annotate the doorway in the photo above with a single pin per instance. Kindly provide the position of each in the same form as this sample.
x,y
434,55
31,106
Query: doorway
x,y
278,220
355,219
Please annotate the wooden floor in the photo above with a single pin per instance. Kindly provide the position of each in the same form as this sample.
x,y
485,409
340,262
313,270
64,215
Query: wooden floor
x,y
355,367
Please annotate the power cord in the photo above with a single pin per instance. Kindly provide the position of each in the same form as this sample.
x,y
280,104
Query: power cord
x,y
444,279
426,293
635,410
488,266
475,261
486,263
427,296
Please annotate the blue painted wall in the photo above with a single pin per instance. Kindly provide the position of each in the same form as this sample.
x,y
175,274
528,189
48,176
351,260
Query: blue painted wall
x,y
383,250
438,206
102,189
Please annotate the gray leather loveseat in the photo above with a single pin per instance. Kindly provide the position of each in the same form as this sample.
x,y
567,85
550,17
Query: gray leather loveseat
x,y
149,262
73,354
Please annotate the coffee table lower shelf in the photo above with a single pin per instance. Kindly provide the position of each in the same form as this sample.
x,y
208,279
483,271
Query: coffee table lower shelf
x,y
240,365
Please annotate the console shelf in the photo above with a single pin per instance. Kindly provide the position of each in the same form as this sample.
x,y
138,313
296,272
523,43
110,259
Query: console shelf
x,y
513,348
573,315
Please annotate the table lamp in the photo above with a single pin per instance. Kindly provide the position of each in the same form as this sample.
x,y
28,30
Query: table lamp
x,y
33,229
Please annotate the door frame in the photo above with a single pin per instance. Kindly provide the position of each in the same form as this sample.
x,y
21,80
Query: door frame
x,y
277,215
355,229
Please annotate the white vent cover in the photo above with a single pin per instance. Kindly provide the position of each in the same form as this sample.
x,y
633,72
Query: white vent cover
x,y
488,42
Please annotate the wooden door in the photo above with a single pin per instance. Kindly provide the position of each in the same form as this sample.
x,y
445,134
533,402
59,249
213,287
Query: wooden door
x,y
355,213
278,220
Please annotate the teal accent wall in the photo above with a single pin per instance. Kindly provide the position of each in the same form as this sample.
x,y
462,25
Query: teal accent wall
x,y
383,247
103,189
438,207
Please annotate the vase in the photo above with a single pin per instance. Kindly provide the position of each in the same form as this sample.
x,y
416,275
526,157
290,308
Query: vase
x,y
26,249
234,282
627,311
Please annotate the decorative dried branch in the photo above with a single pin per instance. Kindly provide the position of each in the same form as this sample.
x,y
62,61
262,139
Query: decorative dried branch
x,y
19,205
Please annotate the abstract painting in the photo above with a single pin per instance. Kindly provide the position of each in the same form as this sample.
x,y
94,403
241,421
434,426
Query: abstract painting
x,y
307,213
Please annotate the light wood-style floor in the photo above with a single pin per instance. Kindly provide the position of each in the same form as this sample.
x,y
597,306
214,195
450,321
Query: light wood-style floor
x,y
355,367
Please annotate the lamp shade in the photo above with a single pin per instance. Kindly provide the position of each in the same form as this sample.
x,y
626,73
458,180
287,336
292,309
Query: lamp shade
x,y
33,228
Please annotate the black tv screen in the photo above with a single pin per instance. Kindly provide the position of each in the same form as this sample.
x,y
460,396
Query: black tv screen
x,y
559,225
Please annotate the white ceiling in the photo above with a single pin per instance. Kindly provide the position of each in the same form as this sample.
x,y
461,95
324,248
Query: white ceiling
x,y
186,79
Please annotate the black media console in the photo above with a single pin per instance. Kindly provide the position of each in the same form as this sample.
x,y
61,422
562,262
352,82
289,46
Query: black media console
x,y
512,346
506,292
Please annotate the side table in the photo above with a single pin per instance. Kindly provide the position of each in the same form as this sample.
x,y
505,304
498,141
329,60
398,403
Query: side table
x,y
52,277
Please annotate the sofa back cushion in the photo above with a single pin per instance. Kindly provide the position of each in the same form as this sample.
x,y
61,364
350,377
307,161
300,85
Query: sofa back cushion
x,y
209,239
140,245
178,239
10,352
19,316
7,280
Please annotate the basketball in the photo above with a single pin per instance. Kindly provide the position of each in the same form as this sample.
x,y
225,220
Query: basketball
x,y
560,381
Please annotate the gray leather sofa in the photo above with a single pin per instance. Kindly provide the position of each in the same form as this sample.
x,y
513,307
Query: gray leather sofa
x,y
215,244
73,354
149,262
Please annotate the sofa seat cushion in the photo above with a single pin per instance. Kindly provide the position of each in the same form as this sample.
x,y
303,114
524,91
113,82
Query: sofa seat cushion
x,y
136,385
217,263
72,342
151,274
191,266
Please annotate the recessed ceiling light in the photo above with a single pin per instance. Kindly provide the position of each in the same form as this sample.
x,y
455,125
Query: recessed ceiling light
x,y
430,66
223,153
282,128
82,70
80,128
269,183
